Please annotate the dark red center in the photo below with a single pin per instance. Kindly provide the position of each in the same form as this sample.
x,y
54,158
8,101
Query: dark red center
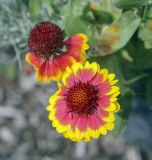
x,y
46,39
82,99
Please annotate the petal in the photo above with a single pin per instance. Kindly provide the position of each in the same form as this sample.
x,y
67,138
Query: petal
x,y
55,96
94,133
113,90
59,127
113,82
58,115
77,73
109,126
48,71
76,67
104,73
111,76
95,122
54,69
102,113
110,108
117,106
113,99
94,66
109,118
115,94
81,123
79,56
104,101
49,107
51,115
74,135
86,136
103,130
62,128
63,61
85,75
104,87
62,112
34,60
77,42
69,78
97,79
70,81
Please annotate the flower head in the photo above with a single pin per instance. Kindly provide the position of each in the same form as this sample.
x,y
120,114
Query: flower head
x,y
50,53
84,106
45,39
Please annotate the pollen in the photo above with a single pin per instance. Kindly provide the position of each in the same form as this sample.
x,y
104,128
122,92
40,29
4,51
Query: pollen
x,y
82,99
46,39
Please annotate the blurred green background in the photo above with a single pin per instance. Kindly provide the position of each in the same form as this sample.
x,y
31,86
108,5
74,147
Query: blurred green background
x,y
120,38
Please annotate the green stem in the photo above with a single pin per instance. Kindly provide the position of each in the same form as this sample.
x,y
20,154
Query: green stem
x,y
136,79
18,57
145,12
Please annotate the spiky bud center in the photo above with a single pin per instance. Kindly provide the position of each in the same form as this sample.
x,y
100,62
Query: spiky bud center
x,y
46,39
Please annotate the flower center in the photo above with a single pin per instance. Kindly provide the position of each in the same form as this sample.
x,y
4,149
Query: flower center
x,y
46,39
82,99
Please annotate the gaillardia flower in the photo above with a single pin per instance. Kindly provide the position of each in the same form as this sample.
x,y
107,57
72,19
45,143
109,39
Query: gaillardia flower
x,y
50,53
84,106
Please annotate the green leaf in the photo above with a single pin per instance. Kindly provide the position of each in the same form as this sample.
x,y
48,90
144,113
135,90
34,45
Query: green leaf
x,y
128,4
142,56
110,62
34,7
117,35
72,23
49,7
129,23
102,16
145,34
103,11
67,10
122,117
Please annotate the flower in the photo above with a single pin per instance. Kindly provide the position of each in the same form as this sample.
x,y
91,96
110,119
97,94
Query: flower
x,y
84,106
50,53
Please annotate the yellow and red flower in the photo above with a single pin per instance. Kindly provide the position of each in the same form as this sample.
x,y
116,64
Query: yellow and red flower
x,y
84,106
50,53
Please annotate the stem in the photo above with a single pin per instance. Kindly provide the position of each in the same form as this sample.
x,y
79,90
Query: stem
x,y
135,79
18,57
145,12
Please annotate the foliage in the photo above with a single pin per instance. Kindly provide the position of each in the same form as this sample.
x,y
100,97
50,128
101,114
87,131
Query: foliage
x,y
129,4
120,39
